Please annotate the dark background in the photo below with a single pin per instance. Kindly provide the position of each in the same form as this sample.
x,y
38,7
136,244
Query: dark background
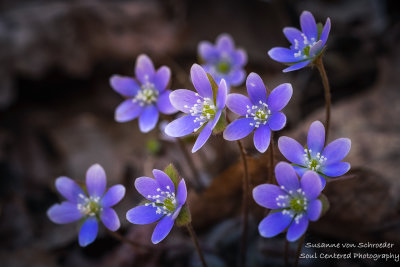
x,y
56,118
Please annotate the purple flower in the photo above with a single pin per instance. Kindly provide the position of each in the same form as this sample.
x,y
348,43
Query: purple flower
x,y
223,61
326,161
203,108
89,205
163,205
293,202
307,44
145,96
261,113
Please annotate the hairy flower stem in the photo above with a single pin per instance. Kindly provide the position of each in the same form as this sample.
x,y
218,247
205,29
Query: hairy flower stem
x,y
320,66
286,253
245,206
271,160
299,246
196,244
197,184
134,244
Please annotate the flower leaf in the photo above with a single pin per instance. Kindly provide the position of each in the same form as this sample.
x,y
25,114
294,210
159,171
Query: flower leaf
x,y
214,87
320,27
325,204
171,171
184,217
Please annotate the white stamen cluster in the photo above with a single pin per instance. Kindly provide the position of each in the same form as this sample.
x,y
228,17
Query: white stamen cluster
x,y
294,204
204,110
313,163
306,42
147,95
164,201
260,114
89,205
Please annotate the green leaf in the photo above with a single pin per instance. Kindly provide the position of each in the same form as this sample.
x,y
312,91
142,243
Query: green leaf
x,y
320,27
221,124
184,217
325,204
214,87
171,171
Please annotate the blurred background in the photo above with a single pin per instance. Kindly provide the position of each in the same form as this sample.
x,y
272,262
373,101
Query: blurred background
x,y
57,118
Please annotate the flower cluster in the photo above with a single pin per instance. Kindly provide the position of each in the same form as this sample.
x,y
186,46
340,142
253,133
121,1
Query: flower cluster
x,y
307,44
146,96
90,205
223,61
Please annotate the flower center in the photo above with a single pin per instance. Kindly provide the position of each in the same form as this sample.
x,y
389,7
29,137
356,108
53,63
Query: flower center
x,y
147,95
260,114
223,67
204,110
304,48
295,203
313,162
89,205
164,201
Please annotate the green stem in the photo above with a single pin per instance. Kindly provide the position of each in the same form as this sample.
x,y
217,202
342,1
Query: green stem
x,y
245,206
196,244
271,160
299,246
320,66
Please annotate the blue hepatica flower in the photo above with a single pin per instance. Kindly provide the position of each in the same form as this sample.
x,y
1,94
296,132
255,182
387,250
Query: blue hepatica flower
x,y
307,44
163,205
261,113
146,96
90,205
203,108
325,161
293,203
223,61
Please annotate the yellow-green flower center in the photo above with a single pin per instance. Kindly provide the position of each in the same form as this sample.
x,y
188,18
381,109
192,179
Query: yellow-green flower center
x,y
89,206
223,67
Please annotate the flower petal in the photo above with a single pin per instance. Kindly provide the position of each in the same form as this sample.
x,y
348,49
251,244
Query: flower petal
x,y
69,189
235,77
88,231
146,186
225,43
148,119
238,104
316,137
65,212
291,150
203,136
110,219
164,181
125,86
113,196
161,78
286,176
127,111
200,81
311,184
274,224
300,170
296,230
282,54
181,193
183,99
262,138
316,48
182,126
256,88
293,34
239,129
143,214
325,31
336,150
96,180
164,103
162,229
266,194
314,210
277,121
144,69
239,57
297,66
308,25
336,169
208,52
279,97
221,94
